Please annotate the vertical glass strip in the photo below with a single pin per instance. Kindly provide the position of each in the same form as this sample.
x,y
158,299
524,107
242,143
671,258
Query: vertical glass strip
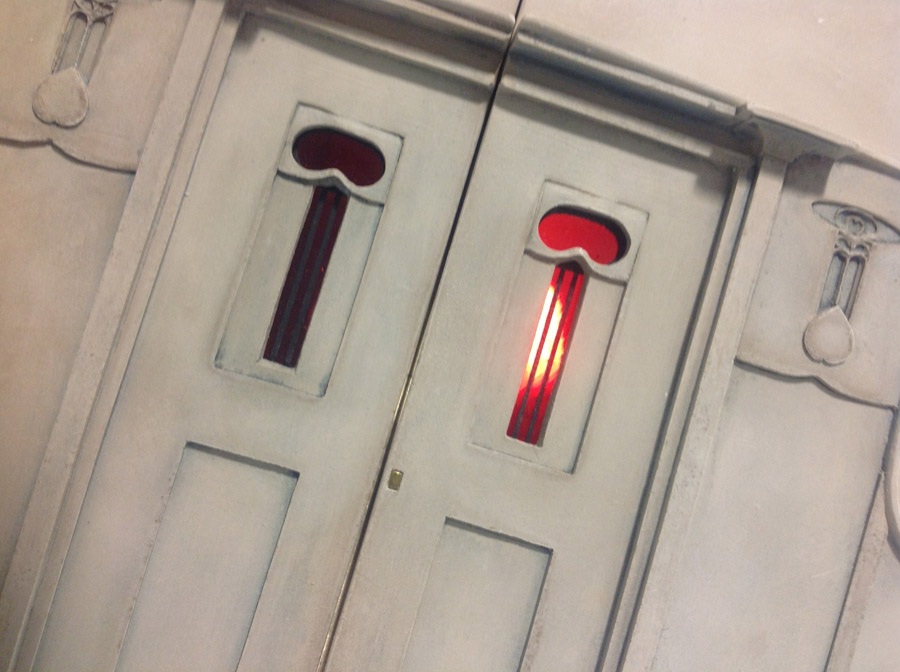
x,y
305,276
547,356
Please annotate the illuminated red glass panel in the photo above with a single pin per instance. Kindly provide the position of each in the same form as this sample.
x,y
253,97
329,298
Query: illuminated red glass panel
x,y
305,276
548,354
325,148
602,238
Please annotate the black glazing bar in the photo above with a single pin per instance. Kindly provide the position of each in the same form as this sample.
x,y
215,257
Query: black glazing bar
x,y
568,274
306,278
290,289
305,275
533,363
316,276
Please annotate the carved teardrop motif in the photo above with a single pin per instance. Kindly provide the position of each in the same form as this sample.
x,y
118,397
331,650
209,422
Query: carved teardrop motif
x,y
61,99
828,337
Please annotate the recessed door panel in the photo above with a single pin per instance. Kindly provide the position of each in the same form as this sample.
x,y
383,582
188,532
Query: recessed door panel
x,y
639,223
208,564
206,371
478,604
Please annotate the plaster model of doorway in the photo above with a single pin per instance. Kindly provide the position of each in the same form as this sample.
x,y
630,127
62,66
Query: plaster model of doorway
x,y
223,522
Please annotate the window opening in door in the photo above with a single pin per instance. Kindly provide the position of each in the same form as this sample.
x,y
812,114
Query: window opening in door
x,y
326,148
548,351
605,242
362,164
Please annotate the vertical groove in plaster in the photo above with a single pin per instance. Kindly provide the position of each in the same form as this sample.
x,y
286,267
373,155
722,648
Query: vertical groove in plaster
x,y
862,580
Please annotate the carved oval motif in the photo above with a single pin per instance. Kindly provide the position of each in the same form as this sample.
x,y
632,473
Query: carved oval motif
x,y
856,222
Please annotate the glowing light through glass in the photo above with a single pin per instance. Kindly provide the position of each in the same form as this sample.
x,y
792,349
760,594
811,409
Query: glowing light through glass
x,y
603,239
548,353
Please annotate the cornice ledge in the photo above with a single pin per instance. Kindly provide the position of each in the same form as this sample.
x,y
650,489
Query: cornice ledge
x,y
449,36
456,17
538,42
789,139
498,21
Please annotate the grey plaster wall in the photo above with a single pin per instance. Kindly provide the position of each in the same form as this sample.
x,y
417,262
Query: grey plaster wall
x,y
59,218
760,548
814,61
878,647
62,192
775,530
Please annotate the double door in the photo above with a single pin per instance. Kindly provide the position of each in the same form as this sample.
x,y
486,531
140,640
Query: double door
x,y
300,472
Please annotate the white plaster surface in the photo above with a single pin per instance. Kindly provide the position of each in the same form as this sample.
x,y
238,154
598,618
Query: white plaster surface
x,y
832,64
171,394
58,221
775,531
878,646
779,334
125,86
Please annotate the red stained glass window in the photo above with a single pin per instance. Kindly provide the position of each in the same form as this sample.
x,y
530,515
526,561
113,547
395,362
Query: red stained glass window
x,y
604,240
548,353
362,164
325,148
305,276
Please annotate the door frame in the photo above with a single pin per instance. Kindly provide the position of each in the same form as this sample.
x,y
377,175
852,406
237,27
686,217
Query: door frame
x,y
152,207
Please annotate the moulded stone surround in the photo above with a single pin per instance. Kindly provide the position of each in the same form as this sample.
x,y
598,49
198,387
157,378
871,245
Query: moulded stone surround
x,y
738,509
